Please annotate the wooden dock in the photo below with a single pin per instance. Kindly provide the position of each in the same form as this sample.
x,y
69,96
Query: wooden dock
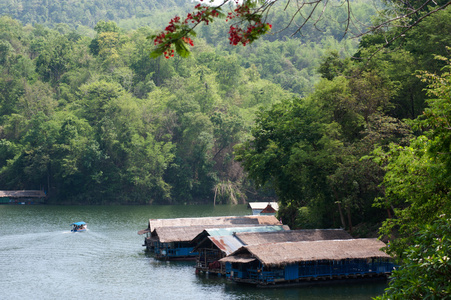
x,y
22,197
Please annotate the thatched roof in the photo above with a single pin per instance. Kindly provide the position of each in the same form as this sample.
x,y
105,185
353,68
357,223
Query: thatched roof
x,y
263,205
176,233
211,221
23,194
277,254
256,238
230,243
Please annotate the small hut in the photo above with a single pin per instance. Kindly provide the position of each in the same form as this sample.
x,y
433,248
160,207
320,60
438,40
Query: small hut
x,y
295,262
264,208
268,211
212,245
170,243
172,238
22,197
216,243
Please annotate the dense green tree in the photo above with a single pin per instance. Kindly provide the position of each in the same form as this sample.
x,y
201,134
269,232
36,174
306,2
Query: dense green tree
x,y
75,162
11,89
417,189
293,149
193,134
54,60
29,166
426,268
5,52
96,98
415,200
37,97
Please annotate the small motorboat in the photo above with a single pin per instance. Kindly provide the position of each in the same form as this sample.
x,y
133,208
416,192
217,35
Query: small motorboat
x,y
79,226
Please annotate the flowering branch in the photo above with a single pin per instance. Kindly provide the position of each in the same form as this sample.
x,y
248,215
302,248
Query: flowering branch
x,y
176,37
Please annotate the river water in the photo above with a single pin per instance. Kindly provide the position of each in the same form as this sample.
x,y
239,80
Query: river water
x,y
41,259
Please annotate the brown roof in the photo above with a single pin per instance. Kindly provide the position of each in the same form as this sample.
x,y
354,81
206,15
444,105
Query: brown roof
x,y
23,194
255,238
268,210
211,221
277,254
177,233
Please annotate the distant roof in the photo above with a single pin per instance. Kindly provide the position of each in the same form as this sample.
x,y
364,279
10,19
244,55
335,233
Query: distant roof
x,y
268,210
263,205
211,221
23,194
256,238
277,254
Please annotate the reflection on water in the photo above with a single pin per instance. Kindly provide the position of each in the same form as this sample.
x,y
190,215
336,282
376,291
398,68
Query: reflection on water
x,y
42,259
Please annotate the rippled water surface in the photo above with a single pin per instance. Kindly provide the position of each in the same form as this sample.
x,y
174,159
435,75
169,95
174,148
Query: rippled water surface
x,y
41,259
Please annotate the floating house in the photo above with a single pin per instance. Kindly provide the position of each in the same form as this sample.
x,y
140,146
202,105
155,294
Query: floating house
x,y
215,244
22,197
301,262
264,208
171,239
173,243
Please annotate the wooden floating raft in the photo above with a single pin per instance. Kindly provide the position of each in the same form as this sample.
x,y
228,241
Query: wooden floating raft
x,y
214,245
289,262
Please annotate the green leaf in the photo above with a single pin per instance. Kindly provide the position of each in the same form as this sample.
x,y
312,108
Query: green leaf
x,y
181,48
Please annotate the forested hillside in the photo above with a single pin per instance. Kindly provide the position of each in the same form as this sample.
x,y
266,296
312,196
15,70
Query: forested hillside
x,y
97,121
89,12
318,151
87,116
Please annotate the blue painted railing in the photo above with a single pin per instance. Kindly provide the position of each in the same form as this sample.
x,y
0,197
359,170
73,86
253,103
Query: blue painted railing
x,y
310,269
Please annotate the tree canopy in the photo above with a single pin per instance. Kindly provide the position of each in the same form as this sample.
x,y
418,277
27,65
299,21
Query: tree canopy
x,y
94,120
